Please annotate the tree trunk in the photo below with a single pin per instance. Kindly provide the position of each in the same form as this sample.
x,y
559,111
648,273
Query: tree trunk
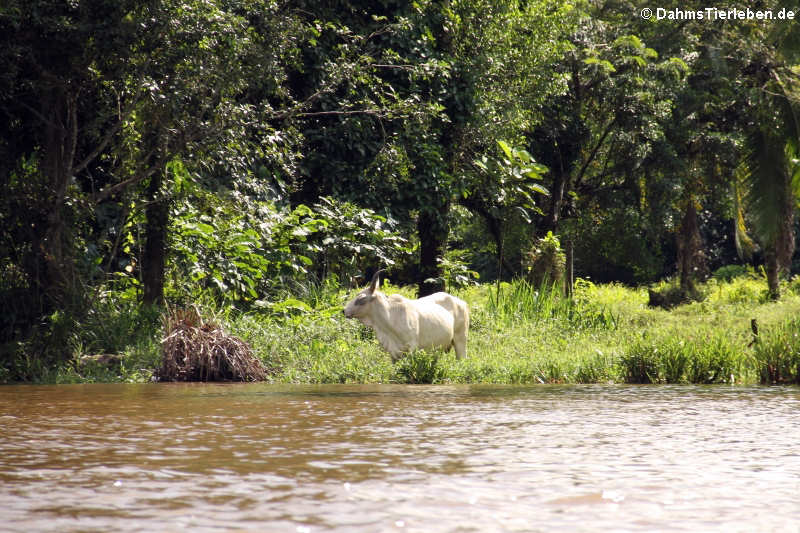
x,y
786,242
59,110
569,273
553,217
432,231
690,252
773,274
154,258
778,254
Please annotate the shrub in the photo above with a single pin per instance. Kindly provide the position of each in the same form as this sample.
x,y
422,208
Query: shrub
x,y
456,271
350,237
710,359
639,363
546,261
420,367
671,296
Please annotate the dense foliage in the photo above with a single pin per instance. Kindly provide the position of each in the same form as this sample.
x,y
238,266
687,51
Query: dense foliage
x,y
250,153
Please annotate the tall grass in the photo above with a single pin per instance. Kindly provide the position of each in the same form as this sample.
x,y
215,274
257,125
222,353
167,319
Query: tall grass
x,y
777,353
518,334
55,350
711,358
522,301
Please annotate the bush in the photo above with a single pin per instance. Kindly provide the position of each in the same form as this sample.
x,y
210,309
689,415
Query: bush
x,y
420,367
670,295
253,250
546,261
352,237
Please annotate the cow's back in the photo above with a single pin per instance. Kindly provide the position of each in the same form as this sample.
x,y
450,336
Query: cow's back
x,y
436,324
455,306
459,310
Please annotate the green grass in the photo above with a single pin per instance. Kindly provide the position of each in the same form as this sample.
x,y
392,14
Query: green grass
x,y
518,334
777,353
606,333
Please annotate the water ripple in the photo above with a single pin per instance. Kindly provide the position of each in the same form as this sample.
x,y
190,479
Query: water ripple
x,y
399,458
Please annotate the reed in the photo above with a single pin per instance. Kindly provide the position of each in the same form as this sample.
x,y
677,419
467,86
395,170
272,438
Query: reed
x,y
710,358
777,353
522,301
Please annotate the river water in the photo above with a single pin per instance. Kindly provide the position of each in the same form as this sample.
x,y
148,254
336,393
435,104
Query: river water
x,y
384,458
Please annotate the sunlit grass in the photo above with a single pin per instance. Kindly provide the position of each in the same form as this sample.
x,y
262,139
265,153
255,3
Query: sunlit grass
x,y
520,334
525,335
777,353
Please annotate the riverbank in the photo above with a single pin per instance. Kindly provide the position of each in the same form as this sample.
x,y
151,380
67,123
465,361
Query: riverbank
x,y
605,334
518,335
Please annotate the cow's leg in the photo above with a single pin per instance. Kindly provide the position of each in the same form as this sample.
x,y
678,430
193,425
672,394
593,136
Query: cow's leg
x,y
460,344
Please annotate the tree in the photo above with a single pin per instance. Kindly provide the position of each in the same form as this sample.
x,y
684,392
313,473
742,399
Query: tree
x,y
764,58
499,54
429,88
597,132
603,139
104,101
195,60
741,110
509,184
62,63
773,166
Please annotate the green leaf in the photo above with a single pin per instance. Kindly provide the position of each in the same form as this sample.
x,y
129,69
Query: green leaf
x,y
202,228
506,149
540,189
291,304
302,210
602,63
522,155
629,40
538,167
637,59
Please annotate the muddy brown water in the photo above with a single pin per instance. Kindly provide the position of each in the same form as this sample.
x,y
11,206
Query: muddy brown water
x,y
384,458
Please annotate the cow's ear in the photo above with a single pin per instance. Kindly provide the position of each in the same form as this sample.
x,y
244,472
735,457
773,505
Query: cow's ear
x,y
376,281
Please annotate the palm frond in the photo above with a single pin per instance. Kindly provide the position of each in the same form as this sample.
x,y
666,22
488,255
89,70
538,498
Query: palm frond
x,y
745,246
765,173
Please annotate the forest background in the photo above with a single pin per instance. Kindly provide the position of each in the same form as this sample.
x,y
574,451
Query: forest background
x,y
251,155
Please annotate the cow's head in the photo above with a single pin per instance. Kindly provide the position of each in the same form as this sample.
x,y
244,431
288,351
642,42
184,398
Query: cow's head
x,y
359,306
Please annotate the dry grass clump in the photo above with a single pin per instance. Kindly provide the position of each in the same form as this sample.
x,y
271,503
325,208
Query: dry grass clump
x,y
196,350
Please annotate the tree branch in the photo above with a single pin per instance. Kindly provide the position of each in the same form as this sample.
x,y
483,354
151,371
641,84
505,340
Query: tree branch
x,y
595,150
101,145
111,190
375,112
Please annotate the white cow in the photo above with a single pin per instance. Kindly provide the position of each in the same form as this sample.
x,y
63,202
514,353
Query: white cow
x,y
402,325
